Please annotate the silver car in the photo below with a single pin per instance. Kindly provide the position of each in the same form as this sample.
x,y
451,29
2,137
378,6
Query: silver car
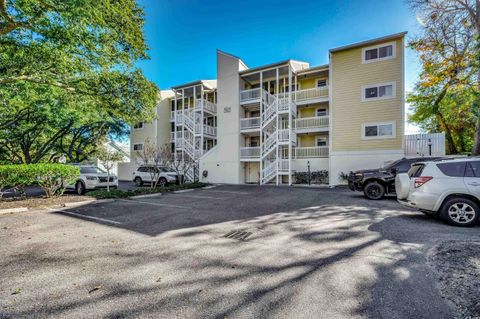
x,y
448,188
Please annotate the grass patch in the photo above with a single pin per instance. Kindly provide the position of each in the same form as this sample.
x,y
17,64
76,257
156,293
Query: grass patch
x,y
117,193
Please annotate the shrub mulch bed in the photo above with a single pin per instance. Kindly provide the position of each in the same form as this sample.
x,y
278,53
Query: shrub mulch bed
x,y
41,202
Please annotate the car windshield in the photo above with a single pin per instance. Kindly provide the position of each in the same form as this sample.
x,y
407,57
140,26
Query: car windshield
x,y
388,166
91,170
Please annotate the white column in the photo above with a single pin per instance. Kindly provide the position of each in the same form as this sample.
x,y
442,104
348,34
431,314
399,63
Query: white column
x,y
290,130
261,129
202,114
175,126
183,126
278,151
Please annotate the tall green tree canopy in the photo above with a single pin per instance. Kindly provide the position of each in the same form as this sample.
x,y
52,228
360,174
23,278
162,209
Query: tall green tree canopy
x,y
68,66
447,96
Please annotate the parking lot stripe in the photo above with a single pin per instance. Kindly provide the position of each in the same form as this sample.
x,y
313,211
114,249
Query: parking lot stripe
x,y
85,216
155,204
231,192
200,196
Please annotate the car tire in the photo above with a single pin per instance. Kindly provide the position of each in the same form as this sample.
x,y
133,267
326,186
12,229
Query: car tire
x,y
138,181
459,211
80,188
374,190
162,181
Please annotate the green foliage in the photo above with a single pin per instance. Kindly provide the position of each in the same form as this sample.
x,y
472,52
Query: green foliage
x,y
68,76
50,177
316,177
116,193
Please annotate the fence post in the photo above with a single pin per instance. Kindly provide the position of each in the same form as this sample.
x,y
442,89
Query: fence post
x,y
308,168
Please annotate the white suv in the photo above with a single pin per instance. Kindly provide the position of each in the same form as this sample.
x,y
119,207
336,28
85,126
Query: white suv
x,y
92,177
450,188
145,174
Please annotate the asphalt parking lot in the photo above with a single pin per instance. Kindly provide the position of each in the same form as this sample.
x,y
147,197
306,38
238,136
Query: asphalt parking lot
x,y
226,252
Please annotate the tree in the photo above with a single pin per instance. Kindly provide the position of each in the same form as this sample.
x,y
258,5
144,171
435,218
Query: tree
x,y
73,63
108,159
154,156
449,51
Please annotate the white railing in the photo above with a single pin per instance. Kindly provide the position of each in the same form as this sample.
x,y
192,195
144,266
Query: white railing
x,y
311,122
207,105
249,152
269,171
209,130
283,135
311,152
172,115
268,98
311,94
249,95
283,164
172,136
268,143
250,123
269,112
432,144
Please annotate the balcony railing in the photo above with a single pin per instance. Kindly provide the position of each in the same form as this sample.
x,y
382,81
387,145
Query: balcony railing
x,y
283,165
206,105
308,123
284,134
311,94
172,115
250,123
311,152
172,136
250,95
249,152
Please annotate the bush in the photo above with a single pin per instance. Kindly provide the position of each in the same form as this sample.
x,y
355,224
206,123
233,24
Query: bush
x,y
52,178
116,193
316,177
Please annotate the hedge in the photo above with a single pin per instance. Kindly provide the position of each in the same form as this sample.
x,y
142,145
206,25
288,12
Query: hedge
x,y
52,178
316,177
117,193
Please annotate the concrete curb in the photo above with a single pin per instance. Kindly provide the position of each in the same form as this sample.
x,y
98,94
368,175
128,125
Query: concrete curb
x,y
184,191
208,187
13,210
86,202
146,195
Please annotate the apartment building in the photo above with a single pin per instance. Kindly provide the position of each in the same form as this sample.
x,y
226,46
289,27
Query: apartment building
x,y
263,124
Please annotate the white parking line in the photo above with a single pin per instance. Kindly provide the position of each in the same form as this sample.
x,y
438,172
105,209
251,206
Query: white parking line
x,y
155,204
230,192
85,216
199,196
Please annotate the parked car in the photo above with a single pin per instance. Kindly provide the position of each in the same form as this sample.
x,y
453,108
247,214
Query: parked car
x,y
92,177
449,188
376,183
144,174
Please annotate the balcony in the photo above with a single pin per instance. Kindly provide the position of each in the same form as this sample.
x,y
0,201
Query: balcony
x,y
311,152
172,116
250,124
250,96
249,154
311,95
284,136
312,124
206,106
172,137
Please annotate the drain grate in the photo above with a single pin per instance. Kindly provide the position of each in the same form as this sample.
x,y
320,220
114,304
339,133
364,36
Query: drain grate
x,y
238,234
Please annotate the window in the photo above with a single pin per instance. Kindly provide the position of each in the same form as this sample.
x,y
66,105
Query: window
x,y
453,169
378,52
138,126
322,111
378,130
416,170
321,83
137,147
321,141
378,91
473,169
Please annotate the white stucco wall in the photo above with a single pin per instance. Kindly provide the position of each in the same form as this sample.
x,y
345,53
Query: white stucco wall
x,y
223,162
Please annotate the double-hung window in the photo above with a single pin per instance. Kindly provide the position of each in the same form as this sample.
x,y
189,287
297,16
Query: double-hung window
x,y
321,141
321,111
378,130
137,147
138,126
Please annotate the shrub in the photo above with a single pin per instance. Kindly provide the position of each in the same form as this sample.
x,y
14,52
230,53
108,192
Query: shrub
x,y
316,177
116,193
52,178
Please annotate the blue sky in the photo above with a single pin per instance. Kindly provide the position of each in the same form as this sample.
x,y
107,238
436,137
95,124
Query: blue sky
x,y
183,34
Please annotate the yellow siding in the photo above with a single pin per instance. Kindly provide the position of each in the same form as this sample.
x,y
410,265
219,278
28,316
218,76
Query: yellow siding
x,y
308,140
349,112
310,111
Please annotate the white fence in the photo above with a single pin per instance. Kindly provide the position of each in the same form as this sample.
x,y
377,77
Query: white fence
x,y
425,144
